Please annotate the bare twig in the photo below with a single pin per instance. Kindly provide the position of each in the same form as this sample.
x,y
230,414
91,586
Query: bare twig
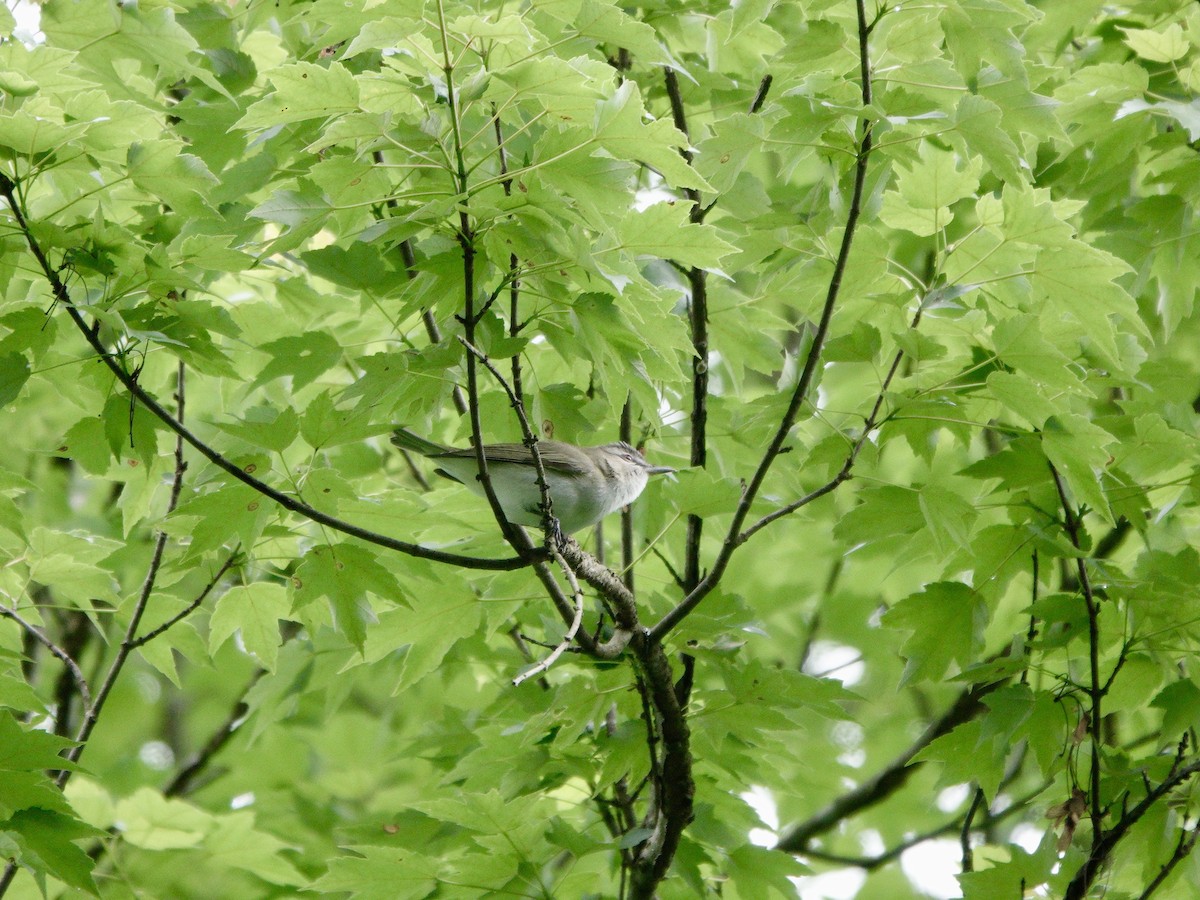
x,y
573,630
191,607
808,373
126,647
1183,847
871,863
1095,689
550,524
59,291
60,654
869,425
1082,882
185,778
890,779
431,326
964,839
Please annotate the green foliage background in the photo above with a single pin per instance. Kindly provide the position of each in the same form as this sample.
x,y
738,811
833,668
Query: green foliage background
x,y
230,191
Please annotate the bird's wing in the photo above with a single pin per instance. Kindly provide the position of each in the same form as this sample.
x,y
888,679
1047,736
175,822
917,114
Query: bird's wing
x,y
518,454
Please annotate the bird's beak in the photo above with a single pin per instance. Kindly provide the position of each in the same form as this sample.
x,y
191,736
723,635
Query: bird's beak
x,y
659,470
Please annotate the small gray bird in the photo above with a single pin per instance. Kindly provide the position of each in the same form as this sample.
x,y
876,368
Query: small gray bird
x,y
586,483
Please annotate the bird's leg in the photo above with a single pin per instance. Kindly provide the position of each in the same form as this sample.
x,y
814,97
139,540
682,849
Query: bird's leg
x,y
555,538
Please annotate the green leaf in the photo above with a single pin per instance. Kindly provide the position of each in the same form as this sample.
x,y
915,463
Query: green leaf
x,y
1163,46
69,563
945,621
154,822
266,427
221,516
161,168
131,430
27,751
662,231
49,847
924,193
345,574
322,425
303,91
236,843
980,122
425,633
385,873
303,357
949,517
1079,450
14,372
622,130
1180,703
87,443
253,611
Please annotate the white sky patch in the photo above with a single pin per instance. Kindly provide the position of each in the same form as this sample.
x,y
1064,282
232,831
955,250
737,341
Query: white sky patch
x,y
951,798
28,17
157,755
1027,837
829,659
762,801
840,884
932,867
241,801
871,842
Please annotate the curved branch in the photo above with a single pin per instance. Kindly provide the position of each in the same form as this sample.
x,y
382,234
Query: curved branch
x,y
191,607
59,291
800,393
1102,849
58,652
890,779
1095,689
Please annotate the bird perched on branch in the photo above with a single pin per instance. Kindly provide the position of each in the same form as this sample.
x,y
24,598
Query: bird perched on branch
x,y
585,483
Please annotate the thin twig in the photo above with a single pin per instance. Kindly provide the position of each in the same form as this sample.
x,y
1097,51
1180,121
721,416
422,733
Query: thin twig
x,y
1082,882
1095,690
61,655
1183,847
698,326
891,778
808,373
289,503
191,607
186,776
844,474
569,637
431,326
550,524
92,714
964,839
871,863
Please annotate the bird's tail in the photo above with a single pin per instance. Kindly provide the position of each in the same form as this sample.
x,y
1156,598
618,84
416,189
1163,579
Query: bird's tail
x,y
409,440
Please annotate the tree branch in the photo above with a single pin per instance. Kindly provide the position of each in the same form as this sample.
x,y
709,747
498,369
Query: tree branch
x,y
191,607
1102,849
185,778
887,781
1095,688
800,393
59,291
60,654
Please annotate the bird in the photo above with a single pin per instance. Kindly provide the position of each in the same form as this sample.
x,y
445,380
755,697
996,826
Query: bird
x,y
585,483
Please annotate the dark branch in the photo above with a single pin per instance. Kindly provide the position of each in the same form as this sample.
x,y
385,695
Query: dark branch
x,y
890,779
1095,688
287,502
800,393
